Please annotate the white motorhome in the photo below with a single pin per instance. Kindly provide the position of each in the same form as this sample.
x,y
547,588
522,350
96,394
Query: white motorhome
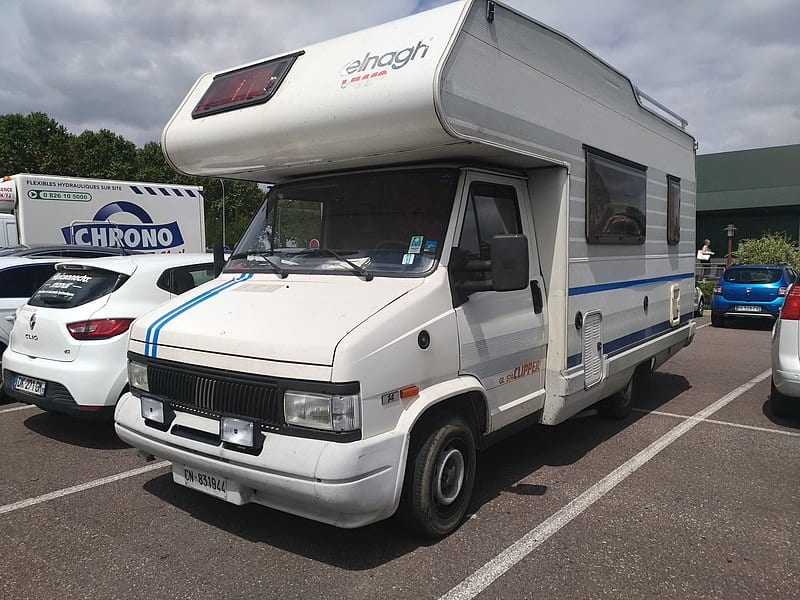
x,y
148,217
475,224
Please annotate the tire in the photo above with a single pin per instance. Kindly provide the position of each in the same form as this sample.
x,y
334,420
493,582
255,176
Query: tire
x,y
440,474
700,308
620,405
782,405
717,319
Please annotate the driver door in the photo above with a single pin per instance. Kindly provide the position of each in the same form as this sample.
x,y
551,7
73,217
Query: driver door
x,y
502,335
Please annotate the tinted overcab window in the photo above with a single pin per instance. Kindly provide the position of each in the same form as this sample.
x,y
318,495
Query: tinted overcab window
x,y
68,289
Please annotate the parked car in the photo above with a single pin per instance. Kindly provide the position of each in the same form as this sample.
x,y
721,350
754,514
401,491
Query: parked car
x,y
67,351
699,302
785,356
750,291
20,277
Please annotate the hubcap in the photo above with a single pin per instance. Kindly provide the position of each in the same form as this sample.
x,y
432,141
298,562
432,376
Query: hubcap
x,y
449,477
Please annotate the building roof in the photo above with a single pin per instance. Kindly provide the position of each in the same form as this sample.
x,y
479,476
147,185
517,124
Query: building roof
x,y
757,178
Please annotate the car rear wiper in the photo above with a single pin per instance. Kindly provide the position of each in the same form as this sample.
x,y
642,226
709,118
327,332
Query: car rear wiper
x,y
275,267
356,269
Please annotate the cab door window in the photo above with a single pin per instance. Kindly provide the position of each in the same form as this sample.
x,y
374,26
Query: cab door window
x,y
492,209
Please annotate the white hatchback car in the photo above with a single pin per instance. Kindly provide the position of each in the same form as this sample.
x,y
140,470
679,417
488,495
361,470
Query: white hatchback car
x,y
785,356
68,346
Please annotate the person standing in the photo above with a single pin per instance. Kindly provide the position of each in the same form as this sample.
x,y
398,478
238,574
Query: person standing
x,y
705,253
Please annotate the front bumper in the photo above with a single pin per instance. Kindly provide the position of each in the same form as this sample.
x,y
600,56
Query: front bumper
x,y
343,484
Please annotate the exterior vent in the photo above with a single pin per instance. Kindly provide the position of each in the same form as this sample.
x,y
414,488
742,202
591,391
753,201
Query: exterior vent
x,y
592,349
674,305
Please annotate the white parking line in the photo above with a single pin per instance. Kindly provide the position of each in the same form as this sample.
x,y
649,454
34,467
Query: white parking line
x,y
80,488
16,408
495,568
739,425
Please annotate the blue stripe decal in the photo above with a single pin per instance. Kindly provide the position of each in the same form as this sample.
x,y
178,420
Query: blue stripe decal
x,y
627,342
136,190
151,338
604,287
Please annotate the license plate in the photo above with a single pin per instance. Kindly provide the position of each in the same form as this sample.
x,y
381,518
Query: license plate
x,y
747,308
29,385
203,481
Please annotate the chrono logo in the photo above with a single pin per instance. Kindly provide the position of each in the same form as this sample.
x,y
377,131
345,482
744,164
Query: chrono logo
x,y
144,236
373,66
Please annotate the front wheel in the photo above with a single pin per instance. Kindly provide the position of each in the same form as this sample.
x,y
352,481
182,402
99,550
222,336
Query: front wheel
x,y
440,474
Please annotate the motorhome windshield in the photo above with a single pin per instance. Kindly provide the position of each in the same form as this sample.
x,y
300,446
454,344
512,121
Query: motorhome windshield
x,y
378,223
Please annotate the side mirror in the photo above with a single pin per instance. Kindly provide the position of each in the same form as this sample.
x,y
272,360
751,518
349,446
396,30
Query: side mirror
x,y
510,268
219,258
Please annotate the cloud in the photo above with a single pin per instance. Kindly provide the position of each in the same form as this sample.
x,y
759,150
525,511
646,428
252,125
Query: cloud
x,y
729,67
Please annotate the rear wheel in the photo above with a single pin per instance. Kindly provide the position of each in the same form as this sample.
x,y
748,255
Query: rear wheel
x,y
782,405
439,477
717,319
620,405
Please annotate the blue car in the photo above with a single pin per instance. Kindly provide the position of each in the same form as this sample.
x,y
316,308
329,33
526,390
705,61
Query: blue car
x,y
751,291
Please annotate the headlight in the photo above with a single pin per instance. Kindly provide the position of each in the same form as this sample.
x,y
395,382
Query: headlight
x,y
322,411
137,376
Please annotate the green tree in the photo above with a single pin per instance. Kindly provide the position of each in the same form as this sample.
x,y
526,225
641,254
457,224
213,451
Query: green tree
x,y
769,249
33,143
103,155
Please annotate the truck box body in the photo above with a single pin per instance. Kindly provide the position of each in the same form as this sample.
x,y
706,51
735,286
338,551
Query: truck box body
x,y
465,140
148,217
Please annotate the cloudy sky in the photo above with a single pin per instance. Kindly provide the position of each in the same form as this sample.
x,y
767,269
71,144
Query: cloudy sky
x,y
731,67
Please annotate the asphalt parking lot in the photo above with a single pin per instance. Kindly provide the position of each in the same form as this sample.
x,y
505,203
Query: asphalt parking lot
x,y
696,495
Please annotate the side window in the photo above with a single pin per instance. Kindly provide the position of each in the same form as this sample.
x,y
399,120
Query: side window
x,y
616,196
492,210
673,210
182,279
22,282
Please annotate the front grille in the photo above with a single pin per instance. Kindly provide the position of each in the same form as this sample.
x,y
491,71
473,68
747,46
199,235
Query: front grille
x,y
207,394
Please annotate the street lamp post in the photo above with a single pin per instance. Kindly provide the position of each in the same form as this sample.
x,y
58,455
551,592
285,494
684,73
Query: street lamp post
x,y
222,183
730,230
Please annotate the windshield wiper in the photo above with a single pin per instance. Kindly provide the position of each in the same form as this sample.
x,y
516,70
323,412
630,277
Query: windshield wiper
x,y
275,267
356,269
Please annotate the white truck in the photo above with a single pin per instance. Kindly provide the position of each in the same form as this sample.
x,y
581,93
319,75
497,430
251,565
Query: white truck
x,y
475,224
148,217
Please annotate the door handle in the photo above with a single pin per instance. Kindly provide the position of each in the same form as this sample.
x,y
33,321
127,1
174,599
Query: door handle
x,y
11,318
536,295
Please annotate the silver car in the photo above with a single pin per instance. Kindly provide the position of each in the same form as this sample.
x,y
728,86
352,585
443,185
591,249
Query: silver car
x,y
786,356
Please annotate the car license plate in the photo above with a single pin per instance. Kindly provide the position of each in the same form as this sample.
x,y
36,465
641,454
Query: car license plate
x,y
29,385
203,481
747,308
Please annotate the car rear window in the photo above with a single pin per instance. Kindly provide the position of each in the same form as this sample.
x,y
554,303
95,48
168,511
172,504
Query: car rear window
x,y
754,275
68,289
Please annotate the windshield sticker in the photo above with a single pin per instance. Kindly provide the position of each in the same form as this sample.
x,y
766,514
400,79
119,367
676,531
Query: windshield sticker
x,y
408,259
313,243
430,247
415,247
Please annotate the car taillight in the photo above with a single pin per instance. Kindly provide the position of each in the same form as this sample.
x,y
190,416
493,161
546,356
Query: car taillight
x,y
98,329
718,289
791,306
